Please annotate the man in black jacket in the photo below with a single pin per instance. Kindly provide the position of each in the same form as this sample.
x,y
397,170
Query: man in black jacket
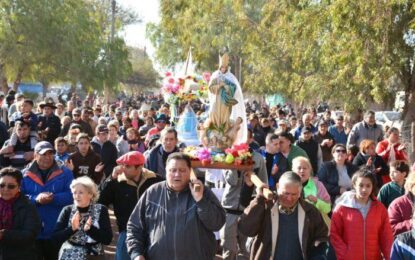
x,y
48,123
122,189
311,147
104,148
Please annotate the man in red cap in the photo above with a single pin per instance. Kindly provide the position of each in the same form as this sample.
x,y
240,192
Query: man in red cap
x,y
122,189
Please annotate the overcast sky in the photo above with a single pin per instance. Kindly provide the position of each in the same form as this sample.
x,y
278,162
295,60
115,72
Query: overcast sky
x,y
148,10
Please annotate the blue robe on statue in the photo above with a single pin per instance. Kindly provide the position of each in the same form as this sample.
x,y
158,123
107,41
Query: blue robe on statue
x,y
187,127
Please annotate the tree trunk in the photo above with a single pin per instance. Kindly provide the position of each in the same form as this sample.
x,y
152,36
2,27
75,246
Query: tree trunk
x,y
240,72
73,87
408,137
4,86
18,79
106,94
45,84
412,148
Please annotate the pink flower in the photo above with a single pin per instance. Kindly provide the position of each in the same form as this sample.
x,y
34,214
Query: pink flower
x,y
206,76
168,74
175,88
170,80
168,87
203,154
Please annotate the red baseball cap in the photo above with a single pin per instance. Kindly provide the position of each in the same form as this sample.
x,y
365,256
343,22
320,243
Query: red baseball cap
x,y
131,158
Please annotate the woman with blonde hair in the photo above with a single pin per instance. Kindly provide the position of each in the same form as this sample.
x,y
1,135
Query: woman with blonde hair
x,y
313,190
401,209
83,227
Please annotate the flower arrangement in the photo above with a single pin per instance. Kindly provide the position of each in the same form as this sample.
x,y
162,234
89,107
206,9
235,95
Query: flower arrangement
x,y
204,156
191,151
186,89
237,155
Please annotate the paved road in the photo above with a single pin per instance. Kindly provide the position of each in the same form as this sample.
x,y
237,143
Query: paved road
x,y
110,250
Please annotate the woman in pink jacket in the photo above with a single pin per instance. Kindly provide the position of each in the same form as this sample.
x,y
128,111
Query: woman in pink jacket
x,y
360,226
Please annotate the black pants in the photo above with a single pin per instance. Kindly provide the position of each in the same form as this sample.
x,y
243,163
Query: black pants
x,y
47,249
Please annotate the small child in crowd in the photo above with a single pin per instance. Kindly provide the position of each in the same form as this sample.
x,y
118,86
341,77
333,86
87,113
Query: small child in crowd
x,y
394,189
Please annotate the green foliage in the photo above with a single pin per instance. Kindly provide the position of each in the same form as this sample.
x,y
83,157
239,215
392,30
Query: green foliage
x,y
346,51
143,75
54,40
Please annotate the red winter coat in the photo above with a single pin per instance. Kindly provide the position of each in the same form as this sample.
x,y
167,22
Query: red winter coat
x,y
354,237
382,146
400,214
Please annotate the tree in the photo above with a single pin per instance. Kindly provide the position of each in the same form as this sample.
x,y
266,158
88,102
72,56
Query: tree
x,y
208,26
57,40
297,47
351,52
143,75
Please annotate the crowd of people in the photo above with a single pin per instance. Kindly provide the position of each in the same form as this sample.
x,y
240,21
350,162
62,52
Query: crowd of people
x,y
340,190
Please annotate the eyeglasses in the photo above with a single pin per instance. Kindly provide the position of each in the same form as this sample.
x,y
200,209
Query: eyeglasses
x,y
340,151
76,115
8,186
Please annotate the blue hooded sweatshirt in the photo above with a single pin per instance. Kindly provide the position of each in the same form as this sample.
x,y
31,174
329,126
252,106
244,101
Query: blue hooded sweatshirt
x,y
57,182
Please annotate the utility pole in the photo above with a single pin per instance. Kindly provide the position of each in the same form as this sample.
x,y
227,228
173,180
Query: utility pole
x,y
111,40
113,6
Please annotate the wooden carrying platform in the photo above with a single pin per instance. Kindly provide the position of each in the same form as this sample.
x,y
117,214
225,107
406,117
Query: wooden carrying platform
x,y
225,166
243,167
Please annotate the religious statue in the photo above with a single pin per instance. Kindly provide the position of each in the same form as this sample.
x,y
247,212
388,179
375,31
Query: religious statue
x,y
187,127
226,124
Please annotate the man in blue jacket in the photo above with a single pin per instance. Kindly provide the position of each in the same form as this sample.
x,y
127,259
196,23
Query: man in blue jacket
x,y
47,185
156,158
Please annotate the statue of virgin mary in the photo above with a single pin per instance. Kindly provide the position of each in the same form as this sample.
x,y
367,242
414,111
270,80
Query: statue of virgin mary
x,y
227,114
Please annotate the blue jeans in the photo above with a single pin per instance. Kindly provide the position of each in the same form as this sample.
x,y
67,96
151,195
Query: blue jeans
x,y
121,253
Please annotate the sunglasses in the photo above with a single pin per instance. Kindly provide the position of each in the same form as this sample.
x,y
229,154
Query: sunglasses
x,y
340,151
9,186
76,115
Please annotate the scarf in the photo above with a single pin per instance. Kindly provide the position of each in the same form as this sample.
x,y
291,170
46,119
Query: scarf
x,y
6,213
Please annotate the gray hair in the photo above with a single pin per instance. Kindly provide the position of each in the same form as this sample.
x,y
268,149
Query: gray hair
x,y
88,184
290,178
